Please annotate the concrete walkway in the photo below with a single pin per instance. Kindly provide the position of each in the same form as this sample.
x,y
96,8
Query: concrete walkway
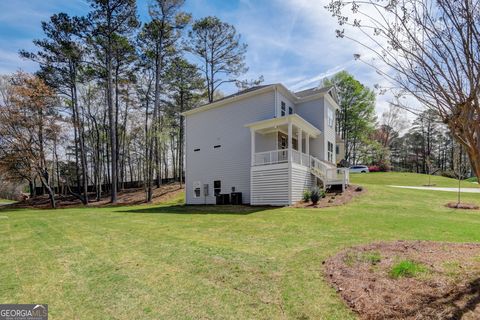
x,y
466,190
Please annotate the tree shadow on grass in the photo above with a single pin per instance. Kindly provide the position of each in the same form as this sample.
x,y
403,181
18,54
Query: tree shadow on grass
x,y
456,303
200,209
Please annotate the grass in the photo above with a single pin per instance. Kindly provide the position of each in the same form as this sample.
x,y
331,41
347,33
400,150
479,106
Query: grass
x,y
370,257
407,269
410,179
177,262
5,201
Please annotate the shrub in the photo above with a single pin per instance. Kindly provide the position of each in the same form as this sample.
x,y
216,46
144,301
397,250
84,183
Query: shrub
x,y
372,257
407,268
306,196
374,168
316,194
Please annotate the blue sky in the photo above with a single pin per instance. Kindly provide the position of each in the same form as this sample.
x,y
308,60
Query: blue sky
x,y
290,41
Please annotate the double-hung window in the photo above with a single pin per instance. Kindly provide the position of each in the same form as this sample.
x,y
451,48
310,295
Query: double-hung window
x,y
283,109
217,187
330,117
330,152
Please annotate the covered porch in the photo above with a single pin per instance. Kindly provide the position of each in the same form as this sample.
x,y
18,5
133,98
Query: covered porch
x,y
281,140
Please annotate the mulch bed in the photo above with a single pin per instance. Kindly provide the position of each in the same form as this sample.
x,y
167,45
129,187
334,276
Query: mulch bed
x,y
125,197
334,198
467,206
449,288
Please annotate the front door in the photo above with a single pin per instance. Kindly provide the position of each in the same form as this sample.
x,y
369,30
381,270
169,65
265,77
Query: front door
x,y
283,141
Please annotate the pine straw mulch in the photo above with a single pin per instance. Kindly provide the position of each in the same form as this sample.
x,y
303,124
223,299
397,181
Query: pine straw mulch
x,y
334,198
448,289
126,197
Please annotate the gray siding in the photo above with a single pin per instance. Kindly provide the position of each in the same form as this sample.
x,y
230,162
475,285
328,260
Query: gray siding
x,y
288,103
302,180
313,112
230,163
270,185
329,132
265,142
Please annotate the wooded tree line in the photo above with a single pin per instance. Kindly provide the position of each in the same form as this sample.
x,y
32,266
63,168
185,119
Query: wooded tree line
x,y
425,49
392,141
104,109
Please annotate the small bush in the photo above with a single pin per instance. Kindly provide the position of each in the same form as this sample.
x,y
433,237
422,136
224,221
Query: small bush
x,y
359,189
316,194
370,257
407,268
306,196
374,168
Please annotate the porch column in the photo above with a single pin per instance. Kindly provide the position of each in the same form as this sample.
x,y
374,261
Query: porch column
x,y
252,143
307,143
289,140
300,137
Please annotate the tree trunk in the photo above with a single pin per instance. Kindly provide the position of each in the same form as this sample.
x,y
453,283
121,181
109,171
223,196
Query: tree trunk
x,y
113,131
81,142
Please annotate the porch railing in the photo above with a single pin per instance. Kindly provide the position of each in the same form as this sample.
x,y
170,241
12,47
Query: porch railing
x,y
270,157
319,168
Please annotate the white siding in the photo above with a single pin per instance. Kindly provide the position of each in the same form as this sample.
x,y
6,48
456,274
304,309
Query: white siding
x,y
230,163
270,185
302,180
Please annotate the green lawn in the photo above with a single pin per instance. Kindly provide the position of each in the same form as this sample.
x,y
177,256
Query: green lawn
x,y
3,201
173,262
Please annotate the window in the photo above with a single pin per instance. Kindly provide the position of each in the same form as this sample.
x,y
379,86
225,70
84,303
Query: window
x,y
330,117
195,150
290,110
283,109
217,187
217,146
337,149
330,152
197,192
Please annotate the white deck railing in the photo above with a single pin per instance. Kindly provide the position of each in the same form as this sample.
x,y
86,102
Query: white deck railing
x,y
270,157
319,168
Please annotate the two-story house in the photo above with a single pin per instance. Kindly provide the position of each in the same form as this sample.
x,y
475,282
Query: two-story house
x,y
266,142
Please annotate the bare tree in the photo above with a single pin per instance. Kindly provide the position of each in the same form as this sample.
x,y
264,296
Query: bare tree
x,y
28,128
428,49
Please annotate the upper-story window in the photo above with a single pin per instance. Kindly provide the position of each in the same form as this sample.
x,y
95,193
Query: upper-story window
x,y
330,152
330,117
290,110
283,109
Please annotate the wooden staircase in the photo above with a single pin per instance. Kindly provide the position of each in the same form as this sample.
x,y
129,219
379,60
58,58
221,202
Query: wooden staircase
x,y
328,173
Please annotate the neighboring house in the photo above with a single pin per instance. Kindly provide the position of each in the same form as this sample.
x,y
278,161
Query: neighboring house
x,y
266,142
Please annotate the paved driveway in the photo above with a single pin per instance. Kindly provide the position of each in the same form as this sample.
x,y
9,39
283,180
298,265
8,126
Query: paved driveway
x,y
466,190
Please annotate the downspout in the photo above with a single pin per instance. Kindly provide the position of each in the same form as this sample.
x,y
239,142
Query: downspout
x,y
275,106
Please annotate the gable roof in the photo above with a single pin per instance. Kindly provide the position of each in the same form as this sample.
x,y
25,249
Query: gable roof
x,y
239,93
296,96
312,91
